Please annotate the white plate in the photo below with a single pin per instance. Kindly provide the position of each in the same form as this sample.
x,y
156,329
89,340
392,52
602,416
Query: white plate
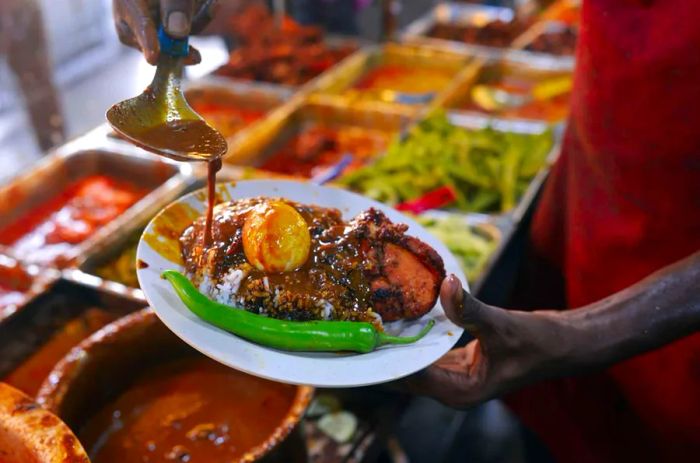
x,y
387,363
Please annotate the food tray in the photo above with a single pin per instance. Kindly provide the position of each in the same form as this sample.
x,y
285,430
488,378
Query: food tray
x,y
466,14
237,94
277,130
347,73
24,334
517,126
457,14
107,250
459,94
541,29
56,172
470,121
333,42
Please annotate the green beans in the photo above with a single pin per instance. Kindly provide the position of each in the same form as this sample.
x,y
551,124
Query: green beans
x,y
316,336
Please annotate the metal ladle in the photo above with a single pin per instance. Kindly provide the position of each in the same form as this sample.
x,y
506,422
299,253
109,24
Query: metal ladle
x,y
160,120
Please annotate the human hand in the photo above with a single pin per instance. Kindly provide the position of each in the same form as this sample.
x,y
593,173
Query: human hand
x,y
511,349
137,23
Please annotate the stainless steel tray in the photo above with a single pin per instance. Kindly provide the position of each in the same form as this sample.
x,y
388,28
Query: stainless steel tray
x,y
57,171
107,250
470,14
542,28
545,66
317,109
331,41
471,121
517,126
343,76
237,94
453,13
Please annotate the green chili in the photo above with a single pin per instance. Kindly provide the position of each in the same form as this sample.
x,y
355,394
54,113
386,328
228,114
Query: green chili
x,y
317,336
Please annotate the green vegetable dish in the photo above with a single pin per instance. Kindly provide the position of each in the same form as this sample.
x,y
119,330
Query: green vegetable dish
x,y
488,169
471,245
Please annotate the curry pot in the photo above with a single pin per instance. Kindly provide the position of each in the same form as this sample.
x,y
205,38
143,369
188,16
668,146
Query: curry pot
x,y
104,365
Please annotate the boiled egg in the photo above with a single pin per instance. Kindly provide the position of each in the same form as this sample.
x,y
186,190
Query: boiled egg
x,y
276,238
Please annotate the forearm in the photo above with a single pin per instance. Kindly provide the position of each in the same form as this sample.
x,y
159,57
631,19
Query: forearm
x,y
655,311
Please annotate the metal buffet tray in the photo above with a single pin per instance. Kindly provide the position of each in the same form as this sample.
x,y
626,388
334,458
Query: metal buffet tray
x,y
469,14
460,92
479,121
469,121
277,130
333,42
345,74
238,94
57,171
464,14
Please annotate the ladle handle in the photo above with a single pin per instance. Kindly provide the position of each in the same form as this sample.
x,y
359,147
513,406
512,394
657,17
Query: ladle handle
x,y
171,46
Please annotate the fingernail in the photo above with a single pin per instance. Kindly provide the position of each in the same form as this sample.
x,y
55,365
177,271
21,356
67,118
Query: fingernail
x,y
453,285
177,24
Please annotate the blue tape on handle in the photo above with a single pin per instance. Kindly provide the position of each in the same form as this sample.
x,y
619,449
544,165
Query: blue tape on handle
x,y
171,46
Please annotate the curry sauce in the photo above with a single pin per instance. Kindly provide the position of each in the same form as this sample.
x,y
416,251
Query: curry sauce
x,y
188,410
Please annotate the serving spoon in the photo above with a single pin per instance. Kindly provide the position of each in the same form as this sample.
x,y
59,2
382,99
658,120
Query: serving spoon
x,y
160,120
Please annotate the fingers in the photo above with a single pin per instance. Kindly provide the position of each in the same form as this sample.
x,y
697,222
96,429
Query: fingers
x,y
136,28
462,308
177,17
193,57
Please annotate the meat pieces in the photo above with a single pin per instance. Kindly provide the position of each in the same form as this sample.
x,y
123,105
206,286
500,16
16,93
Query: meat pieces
x,y
405,274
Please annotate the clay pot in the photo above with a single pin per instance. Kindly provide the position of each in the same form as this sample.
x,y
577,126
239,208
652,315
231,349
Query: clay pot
x,y
103,366
30,434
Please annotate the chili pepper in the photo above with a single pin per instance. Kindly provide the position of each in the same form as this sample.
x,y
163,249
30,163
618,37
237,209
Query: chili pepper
x,y
434,199
318,336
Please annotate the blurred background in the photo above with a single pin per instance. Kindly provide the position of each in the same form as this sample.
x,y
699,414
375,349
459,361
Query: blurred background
x,y
86,69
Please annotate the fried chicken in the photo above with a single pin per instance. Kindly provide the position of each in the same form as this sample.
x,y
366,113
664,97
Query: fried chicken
x,y
404,273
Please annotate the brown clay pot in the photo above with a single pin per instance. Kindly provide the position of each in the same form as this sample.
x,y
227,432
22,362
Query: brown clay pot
x,y
30,434
103,366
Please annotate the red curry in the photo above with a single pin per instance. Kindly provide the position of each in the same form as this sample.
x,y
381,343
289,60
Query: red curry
x,y
53,228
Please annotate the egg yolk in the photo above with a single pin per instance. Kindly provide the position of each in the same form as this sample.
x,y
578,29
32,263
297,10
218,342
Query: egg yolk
x,y
276,238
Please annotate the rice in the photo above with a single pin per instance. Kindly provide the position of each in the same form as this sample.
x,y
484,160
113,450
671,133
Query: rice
x,y
327,309
225,291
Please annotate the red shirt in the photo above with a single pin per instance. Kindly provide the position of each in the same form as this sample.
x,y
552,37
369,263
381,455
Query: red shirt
x,y
622,202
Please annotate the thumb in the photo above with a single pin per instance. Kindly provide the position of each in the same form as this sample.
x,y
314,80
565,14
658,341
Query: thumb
x,y
462,308
177,17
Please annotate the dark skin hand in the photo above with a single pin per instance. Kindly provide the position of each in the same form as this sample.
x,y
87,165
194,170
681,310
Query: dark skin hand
x,y
137,23
514,348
